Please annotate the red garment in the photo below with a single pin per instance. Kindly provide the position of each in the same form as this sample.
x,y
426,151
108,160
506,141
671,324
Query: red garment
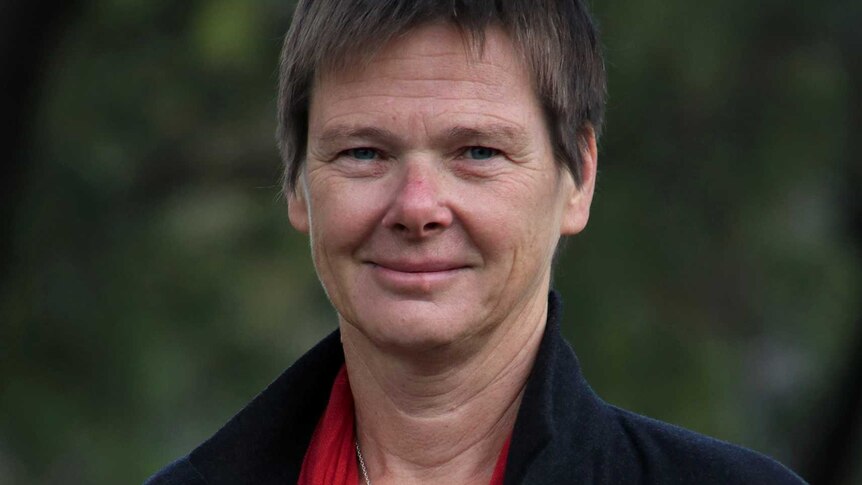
x,y
500,467
331,455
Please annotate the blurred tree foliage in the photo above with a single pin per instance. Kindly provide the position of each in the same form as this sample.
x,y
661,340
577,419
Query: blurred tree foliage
x,y
155,285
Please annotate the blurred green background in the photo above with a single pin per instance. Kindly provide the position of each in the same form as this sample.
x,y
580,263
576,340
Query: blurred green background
x,y
151,284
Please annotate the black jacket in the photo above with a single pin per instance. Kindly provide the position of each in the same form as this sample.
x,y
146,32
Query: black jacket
x,y
564,434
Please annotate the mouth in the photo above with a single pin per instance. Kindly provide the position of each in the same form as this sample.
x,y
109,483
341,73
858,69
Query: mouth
x,y
417,267
416,277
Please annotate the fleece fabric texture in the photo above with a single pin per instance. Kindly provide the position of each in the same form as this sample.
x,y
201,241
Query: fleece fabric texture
x,y
564,433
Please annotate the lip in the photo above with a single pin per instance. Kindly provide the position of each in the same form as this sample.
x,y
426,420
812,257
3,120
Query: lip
x,y
427,266
416,276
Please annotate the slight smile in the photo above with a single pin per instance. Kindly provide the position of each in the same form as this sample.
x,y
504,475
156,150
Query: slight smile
x,y
413,277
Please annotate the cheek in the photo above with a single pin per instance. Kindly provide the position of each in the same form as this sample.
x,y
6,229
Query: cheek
x,y
337,227
512,238
519,215
341,219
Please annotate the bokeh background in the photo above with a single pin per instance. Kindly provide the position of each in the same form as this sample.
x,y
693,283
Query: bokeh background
x,y
151,284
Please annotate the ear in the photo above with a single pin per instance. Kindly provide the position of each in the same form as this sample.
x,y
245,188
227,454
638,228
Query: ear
x,y
297,207
576,212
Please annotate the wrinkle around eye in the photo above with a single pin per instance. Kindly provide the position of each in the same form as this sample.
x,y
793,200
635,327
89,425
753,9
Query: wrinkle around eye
x,y
348,165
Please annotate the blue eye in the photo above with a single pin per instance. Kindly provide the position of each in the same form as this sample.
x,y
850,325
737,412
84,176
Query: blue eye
x,y
481,153
365,154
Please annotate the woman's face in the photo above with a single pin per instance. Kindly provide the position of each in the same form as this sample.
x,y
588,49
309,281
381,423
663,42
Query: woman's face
x,y
430,191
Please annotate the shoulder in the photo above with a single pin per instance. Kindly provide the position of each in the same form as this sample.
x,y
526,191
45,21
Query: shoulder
x,y
265,441
676,455
180,472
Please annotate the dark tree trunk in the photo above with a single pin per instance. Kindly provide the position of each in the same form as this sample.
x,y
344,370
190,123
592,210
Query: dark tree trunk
x,y
28,32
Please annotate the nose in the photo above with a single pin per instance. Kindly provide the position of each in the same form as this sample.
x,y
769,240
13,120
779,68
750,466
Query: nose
x,y
419,207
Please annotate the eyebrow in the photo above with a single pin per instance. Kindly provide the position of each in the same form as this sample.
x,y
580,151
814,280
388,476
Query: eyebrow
x,y
494,132
365,132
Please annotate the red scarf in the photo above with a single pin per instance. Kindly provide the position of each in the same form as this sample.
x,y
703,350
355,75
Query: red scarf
x,y
331,456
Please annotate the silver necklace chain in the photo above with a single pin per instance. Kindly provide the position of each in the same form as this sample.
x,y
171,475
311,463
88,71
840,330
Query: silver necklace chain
x,y
361,463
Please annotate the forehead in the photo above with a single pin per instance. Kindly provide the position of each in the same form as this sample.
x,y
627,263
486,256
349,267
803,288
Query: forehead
x,y
427,40
433,68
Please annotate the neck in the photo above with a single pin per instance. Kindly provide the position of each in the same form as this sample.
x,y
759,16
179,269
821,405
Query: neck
x,y
444,414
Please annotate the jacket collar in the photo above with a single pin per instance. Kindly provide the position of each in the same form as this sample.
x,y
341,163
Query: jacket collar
x,y
266,441
560,422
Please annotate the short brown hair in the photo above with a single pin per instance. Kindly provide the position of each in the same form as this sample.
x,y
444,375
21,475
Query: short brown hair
x,y
557,38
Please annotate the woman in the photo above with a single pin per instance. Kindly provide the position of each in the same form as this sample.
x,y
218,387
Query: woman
x,y
435,153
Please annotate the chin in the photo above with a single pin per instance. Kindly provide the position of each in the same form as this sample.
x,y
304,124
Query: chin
x,y
420,330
